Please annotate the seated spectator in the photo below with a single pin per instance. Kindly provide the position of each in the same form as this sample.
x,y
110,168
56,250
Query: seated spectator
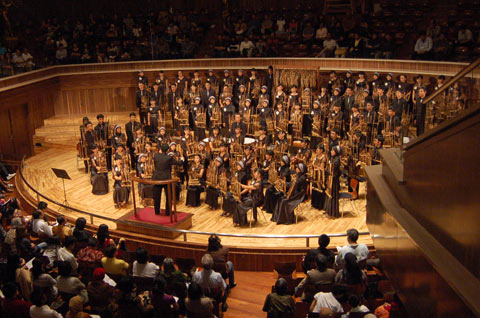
x,y
61,54
308,32
359,250
13,305
75,54
6,66
309,261
66,253
85,57
61,230
113,265
12,237
90,254
329,47
142,267
28,58
113,52
423,47
219,47
441,48
79,231
68,284
40,309
18,273
317,276
351,274
387,47
197,304
173,276
464,37
43,280
211,281
267,25
18,61
247,47
164,305
127,304
321,33
75,308
99,292
281,25
357,46
40,225
329,300
279,303
103,237
357,307
220,256
51,250
373,47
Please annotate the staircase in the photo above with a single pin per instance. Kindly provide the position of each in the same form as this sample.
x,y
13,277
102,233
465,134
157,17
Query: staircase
x,y
337,7
63,131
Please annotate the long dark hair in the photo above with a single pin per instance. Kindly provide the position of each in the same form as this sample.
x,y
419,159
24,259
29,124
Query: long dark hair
x,y
37,268
102,234
214,243
352,272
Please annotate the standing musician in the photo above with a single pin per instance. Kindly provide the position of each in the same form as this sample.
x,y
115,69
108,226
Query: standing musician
x,y
293,99
280,118
241,97
333,173
269,80
162,82
254,85
142,97
154,117
196,181
348,102
131,128
119,138
371,121
264,95
318,119
377,146
142,78
199,118
241,79
182,115
354,163
334,82
420,110
318,167
296,122
280,96
213,81
336,98
349,81
182,84
121,187
157,94
178,170
206,93
162,137
139,143
226,85
172,97
214,113
323,97
356,120
196,80
163,171
246,113
214,172
228,110
89,140
98,171
335,119
102,135
145,171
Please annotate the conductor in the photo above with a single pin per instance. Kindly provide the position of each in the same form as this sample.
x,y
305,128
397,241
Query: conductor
x,y
163,171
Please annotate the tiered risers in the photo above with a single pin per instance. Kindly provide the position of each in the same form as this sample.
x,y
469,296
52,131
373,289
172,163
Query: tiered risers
x,y
63,131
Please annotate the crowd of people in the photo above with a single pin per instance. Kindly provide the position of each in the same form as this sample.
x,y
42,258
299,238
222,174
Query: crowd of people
x,y
174,35
55,269
257,143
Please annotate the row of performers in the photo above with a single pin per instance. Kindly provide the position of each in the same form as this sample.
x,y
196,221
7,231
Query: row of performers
x,y
239,173
405,98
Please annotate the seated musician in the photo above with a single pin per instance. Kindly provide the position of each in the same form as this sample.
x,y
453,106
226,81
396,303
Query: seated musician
x,y
230,204
119,138
272,194
238,138
354,163
267,163
198,110
162,137
196,181
121,192
253,199
179,170
285,208
99,172
377,145
263,140
249,160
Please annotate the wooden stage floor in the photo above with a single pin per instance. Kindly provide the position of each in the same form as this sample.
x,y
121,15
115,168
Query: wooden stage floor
x,y
38,173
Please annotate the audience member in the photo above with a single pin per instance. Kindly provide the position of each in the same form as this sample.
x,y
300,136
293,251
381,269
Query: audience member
x,y
142,267
75,308
43,280
359,250
351,274
211,281
66,253
113,265
279,303
90,254
79,231
99,292
18,273
68,284
329,300
40,309
61,230
220,256
40,225
164,305
356,306
317,276
13,305
423,47
197,303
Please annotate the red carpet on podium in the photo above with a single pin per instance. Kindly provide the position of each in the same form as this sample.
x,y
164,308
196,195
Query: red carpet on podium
x,y
147,214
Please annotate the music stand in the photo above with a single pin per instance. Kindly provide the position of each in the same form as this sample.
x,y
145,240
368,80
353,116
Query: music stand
x,y
62,174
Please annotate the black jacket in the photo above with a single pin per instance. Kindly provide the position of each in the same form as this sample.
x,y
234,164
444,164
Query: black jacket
x,y
163,166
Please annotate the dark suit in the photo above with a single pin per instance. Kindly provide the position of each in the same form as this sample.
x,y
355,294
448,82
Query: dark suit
x,y
138,101
131,133
205,95
163,171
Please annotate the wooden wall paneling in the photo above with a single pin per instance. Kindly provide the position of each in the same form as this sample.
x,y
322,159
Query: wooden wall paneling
x,y
20,130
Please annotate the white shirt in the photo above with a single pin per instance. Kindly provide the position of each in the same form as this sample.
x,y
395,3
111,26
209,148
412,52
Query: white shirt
x,y
209,279
280,25
69,285
361,308
330,44
145,270
40,226
424,45
43,312
327,300
360,251
248,45
18,60
66,256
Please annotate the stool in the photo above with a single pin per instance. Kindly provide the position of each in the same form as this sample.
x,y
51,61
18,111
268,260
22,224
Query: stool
x,y
348,196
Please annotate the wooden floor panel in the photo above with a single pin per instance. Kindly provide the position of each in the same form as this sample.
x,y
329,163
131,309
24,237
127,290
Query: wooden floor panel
x,y
38,173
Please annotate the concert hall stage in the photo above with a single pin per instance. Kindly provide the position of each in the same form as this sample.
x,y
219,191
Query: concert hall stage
x,y
38,174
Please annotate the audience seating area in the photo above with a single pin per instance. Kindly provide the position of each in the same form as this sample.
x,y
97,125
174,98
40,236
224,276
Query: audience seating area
x,y
50,266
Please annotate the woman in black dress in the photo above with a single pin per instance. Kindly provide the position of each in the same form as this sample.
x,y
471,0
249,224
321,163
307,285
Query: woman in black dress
x,y
273,195
253,200
318,188
230,204
285,209
99,173
331,201
213,193
120,194
196,182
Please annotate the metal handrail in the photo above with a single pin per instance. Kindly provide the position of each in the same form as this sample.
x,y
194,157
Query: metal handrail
x,y
164,228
